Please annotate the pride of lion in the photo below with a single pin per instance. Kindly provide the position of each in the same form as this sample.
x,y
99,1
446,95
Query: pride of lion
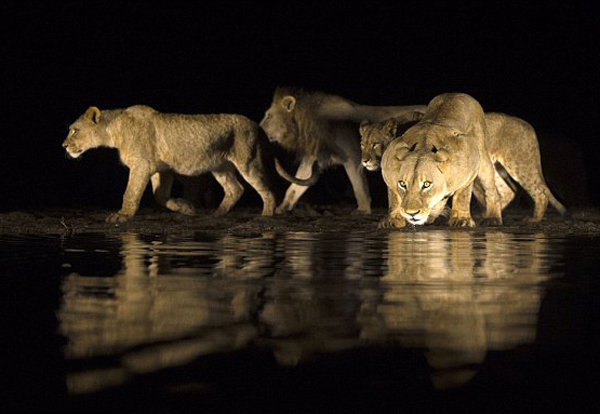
x,y
429,154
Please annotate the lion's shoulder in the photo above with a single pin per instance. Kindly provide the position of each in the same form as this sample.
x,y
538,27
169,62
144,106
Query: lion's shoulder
x,y
140,111
455,110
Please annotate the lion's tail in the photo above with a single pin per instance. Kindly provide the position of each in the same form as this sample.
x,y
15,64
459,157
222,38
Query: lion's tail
x,y
299,181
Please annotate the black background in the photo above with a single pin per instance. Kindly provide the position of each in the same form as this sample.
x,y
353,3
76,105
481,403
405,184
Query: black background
x,y
537,61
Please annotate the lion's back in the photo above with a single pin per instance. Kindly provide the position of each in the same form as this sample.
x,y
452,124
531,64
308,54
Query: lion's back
x,y
193,143
510,137
459,110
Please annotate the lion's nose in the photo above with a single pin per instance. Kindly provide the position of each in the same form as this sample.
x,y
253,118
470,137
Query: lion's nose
x,y
413,213
65,145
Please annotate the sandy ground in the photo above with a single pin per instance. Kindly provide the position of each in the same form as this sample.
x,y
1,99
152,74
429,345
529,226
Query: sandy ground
x,y
247,221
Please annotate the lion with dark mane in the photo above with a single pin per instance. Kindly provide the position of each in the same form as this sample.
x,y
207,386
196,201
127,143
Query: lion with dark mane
x,y
323,128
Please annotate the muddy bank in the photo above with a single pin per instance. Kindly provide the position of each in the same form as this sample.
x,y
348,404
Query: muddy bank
x,y
247,221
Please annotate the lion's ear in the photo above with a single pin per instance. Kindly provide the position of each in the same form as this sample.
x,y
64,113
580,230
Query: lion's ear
x,y
402,152
441,154
289,103
93,114
455,132
363,126
390,128
417,116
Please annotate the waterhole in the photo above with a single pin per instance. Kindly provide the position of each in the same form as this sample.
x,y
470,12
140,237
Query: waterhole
x,y
279,320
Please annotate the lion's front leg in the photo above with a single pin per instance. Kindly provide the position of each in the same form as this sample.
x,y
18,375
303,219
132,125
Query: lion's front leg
x,y
460,215
138,179
360,186
394,219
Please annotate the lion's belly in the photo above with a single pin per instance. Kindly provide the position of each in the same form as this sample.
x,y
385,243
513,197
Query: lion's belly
x,y
195,164
191,156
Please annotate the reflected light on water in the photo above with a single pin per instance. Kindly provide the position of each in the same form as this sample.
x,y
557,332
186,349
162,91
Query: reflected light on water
x,y
458,295
452,295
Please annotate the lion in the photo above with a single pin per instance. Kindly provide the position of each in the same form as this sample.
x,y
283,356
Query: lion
x,y
154,145
376,136
512,146
440,157
323,129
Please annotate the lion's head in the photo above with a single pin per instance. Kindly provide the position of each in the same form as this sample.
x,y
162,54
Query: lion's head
x,y
293,121
85,133
279,122
419,172
374,138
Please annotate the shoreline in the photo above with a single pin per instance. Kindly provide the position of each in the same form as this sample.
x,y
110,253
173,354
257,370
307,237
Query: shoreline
x,y
248,221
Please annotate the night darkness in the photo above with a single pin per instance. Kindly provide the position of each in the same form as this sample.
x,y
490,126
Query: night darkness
x,y
538,62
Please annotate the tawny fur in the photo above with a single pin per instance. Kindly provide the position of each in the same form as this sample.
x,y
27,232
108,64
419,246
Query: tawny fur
x,y
440,157
323,128
154,145
512,143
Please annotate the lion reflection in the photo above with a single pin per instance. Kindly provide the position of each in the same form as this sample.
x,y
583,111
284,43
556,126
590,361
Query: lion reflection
x,y
310,304
167,306
454,294
458,295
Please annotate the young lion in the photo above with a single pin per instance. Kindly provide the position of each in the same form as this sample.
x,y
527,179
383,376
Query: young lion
x,y
511,143
154,144
323,129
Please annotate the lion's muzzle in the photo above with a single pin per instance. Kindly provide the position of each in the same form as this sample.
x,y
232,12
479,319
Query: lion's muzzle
x,y
72,151
371,164
417,218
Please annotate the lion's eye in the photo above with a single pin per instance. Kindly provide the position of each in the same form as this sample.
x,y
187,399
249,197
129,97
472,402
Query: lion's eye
x,y
402,184
375,146
427,184
362,147
74,131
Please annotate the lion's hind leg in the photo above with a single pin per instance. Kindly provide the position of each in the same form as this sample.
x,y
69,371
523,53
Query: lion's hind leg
x,y
231,186
529,177
162,183
256,175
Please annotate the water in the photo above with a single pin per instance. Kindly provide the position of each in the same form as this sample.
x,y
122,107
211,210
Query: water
x,y
423,320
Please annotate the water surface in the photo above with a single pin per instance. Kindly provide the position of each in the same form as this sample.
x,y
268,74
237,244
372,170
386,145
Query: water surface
x,y
420,319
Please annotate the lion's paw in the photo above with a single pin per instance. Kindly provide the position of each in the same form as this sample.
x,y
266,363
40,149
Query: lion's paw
x,y
492,221
385,223
282,209
117,217
221,211
460,221
390,223
181,205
